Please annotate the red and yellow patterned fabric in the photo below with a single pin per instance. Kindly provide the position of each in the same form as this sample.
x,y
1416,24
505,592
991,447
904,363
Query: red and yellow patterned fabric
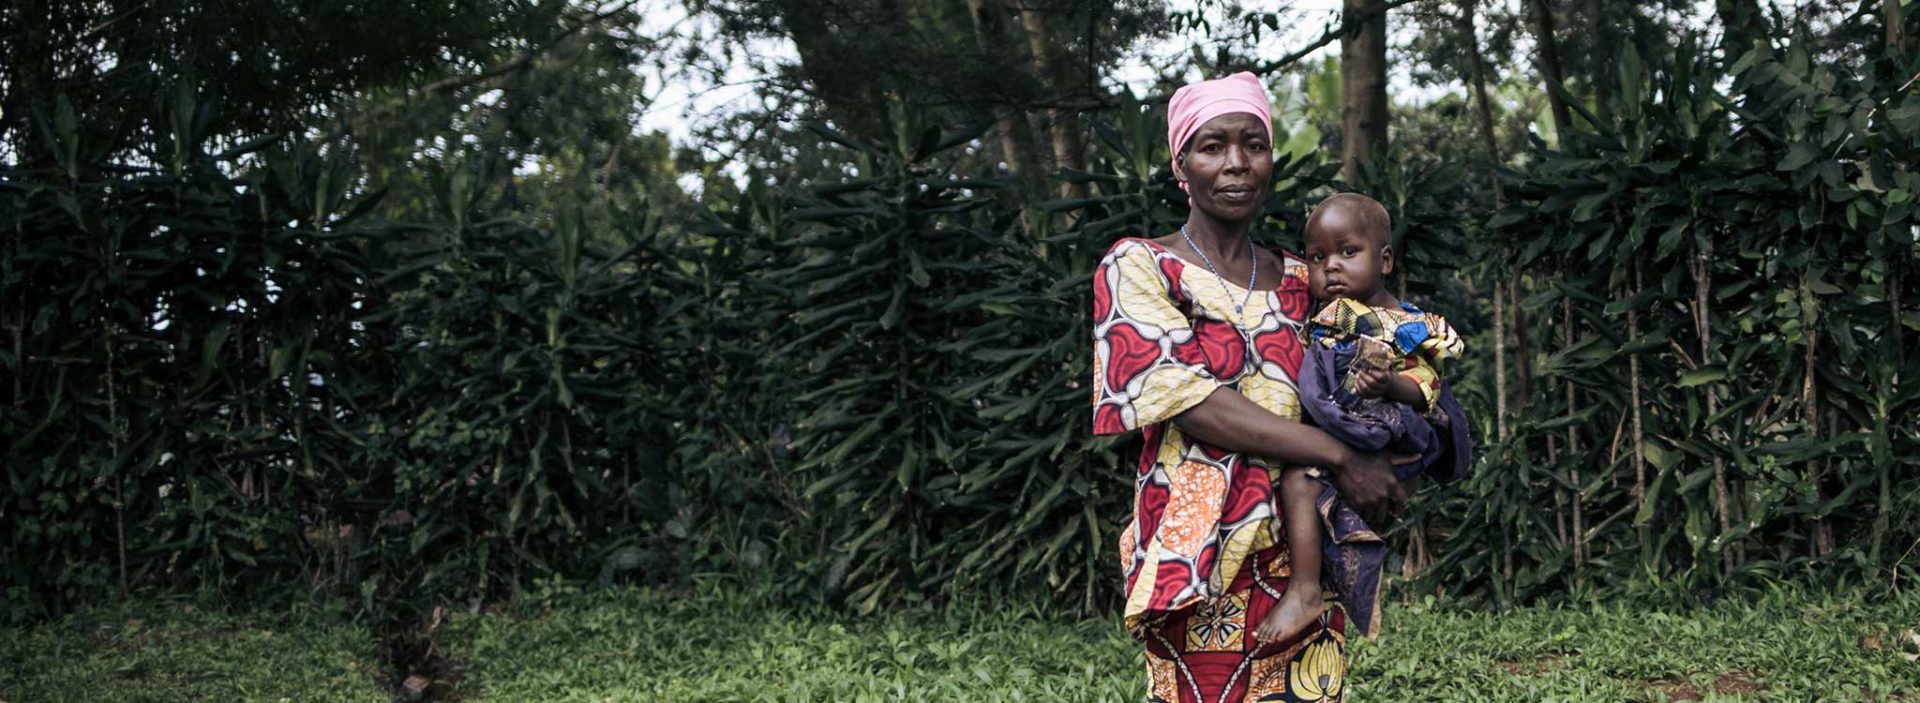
x,y
1207,654
1165,337
1204,556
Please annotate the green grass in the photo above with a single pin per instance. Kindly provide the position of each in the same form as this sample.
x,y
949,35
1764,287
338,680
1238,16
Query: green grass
x,y
717,644
163,651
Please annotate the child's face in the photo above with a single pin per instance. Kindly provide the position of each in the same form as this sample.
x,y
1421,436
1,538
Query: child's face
x,y
1343,261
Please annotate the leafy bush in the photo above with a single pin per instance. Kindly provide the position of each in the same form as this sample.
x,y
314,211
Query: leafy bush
x,y
223,372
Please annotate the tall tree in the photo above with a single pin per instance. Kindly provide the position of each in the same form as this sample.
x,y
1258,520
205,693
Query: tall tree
x,y
1483,117
1026,69
1548,49
1011,125
1600,59
1363,81
1058,78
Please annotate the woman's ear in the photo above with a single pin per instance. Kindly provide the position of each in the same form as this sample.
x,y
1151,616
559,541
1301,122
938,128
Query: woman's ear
x,y
1180,167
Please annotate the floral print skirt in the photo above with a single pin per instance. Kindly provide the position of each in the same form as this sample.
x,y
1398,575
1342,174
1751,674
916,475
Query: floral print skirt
x,y
1206,653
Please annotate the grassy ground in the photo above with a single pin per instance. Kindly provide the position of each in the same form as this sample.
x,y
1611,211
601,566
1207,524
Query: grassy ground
x,y
631,645
160,651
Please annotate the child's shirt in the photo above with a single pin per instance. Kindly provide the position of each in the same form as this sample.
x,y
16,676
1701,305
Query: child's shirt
x,y
1418,343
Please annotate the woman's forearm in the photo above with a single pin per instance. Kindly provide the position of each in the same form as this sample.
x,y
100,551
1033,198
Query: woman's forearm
x,y
1230,421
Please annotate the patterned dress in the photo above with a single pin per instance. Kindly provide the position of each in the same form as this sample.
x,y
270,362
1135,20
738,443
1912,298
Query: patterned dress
x,y
1204,556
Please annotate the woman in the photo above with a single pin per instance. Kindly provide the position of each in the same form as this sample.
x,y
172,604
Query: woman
x,y
1196,345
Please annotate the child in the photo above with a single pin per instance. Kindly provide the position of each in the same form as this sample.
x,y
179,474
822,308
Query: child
x,y
1371,379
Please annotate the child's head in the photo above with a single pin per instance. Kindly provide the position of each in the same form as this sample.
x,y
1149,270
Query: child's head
x,y
1349,254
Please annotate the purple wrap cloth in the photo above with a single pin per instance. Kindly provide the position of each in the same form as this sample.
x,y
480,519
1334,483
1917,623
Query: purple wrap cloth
x,y
1353,554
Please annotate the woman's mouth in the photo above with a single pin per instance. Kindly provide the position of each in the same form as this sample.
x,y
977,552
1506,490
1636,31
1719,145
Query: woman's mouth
x,y
1235,193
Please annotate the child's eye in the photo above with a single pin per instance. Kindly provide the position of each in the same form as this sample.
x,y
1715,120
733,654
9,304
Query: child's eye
x,y
1349,251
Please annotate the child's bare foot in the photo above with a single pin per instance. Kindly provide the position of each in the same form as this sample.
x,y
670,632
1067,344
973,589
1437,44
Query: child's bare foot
x,y
1297,609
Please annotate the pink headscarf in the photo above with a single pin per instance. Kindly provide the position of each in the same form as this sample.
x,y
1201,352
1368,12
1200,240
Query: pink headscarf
x,y
1195,103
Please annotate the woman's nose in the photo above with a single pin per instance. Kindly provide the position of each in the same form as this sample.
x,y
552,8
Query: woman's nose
x,y
1237,160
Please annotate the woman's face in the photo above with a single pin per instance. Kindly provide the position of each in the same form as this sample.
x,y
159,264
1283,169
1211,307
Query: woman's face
x,y
1228,166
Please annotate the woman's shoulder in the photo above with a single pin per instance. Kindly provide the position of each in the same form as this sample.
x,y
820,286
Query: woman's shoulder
x,y
1135,245
1141,252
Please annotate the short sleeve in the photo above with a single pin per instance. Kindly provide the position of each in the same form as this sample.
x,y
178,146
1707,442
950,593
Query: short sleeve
x,y
1139,338
1424,376
1431,344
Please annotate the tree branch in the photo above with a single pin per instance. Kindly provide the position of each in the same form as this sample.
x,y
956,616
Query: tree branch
x,y
517,63
1348,25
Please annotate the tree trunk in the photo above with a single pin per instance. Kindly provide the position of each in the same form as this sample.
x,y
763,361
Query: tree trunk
x,y
119,467
1483,117
1363,84
1499,364
1810,406
1549,53
1703,324
1600,63
1522,347
1017,142
1896,37
1573,444
1063,126
1639,445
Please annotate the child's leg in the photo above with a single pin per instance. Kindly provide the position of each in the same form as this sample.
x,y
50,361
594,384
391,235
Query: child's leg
x,y
1301,604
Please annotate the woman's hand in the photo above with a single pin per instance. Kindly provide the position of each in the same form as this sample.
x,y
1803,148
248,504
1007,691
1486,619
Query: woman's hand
x,y
1366,481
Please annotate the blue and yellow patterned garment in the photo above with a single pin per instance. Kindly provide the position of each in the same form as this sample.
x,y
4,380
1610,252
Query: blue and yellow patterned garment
x,y
1435,444
1419,342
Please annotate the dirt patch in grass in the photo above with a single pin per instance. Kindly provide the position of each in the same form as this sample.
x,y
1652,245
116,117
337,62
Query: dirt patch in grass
x,y
1677,690
1737,683
1541,665
1732,683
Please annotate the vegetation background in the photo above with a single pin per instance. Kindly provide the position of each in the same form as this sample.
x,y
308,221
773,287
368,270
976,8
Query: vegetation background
x,y
434,320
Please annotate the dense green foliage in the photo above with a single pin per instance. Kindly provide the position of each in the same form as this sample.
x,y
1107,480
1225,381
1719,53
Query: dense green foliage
x,y
229,364
1715,289
723,644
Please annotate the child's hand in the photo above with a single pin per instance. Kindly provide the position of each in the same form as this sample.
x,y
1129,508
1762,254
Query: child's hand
x,y
1372,382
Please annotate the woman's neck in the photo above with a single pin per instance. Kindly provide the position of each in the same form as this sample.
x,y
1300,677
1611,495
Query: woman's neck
x,y
1219,240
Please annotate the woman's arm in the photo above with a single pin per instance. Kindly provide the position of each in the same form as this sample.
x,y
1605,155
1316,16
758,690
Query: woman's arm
x,y
1230,421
